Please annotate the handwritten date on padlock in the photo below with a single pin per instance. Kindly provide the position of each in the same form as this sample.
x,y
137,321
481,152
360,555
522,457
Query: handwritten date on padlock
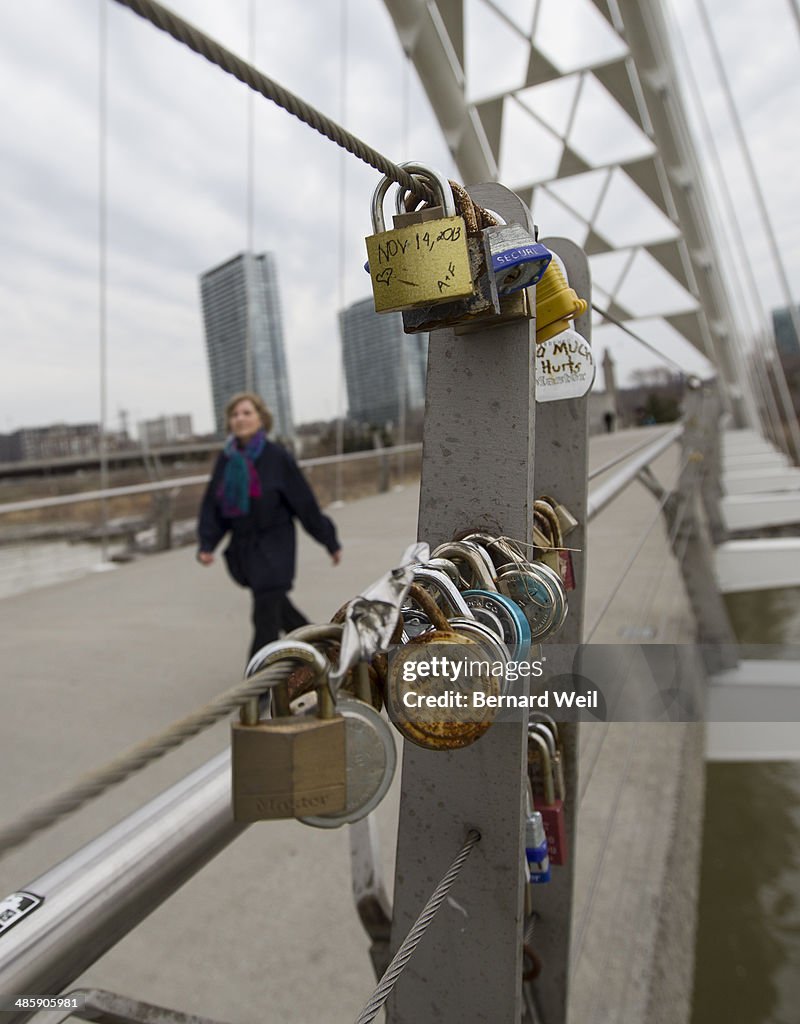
x,y
419,265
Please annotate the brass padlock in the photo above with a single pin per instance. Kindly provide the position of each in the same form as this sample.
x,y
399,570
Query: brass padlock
x,y
484,301
566,519
293,765
421,264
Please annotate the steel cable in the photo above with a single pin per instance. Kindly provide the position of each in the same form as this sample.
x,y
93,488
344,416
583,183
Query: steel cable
x,y
202,44
97,782
636,337
418,929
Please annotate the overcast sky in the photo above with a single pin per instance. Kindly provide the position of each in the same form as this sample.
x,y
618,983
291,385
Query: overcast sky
x,y
177,195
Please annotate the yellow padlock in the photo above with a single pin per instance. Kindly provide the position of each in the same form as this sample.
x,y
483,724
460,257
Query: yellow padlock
x,y
421,264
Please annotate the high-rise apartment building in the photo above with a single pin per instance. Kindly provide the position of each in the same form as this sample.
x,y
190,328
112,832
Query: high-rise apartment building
x,y
381,364
240,300
785,334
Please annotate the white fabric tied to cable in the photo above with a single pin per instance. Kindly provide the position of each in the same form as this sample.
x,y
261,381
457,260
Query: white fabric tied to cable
x,y
371,618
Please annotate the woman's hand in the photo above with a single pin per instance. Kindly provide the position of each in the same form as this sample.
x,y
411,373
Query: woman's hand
x,y
336,557
205,557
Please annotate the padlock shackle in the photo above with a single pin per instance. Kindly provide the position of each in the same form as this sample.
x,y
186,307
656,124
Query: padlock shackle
x,y
495,544
434,177
482,579
541,729
428,605
546,510
444,565
446,589
277,651
545,719
547,765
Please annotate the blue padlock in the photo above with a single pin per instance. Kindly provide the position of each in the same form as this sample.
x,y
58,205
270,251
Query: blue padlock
x,y
518,260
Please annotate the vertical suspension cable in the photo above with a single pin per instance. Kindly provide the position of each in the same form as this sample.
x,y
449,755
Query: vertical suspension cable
x,y
342,252
102,262
250,205
796,12
748,271
755,184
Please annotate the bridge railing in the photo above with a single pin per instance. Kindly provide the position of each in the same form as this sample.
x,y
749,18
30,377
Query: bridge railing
x,y
47,539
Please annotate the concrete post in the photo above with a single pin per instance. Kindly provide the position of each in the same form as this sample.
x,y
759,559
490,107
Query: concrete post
x,y
562,451
477,470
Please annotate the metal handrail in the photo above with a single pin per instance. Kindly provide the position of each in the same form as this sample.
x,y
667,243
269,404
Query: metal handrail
x,y
616,484
101,892
33,504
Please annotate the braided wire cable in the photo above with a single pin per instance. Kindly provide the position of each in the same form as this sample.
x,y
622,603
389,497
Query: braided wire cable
x,y
93,785
202,44
418,929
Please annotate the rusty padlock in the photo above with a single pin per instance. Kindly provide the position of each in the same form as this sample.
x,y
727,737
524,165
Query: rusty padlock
x,y
426,701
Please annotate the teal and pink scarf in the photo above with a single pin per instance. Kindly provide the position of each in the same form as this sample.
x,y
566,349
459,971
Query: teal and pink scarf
x,y
240,480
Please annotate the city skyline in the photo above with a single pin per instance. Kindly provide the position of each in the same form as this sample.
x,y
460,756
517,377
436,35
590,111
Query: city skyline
x,y
177,193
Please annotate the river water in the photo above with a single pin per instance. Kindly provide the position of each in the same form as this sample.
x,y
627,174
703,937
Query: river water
x,y
747,967
28,566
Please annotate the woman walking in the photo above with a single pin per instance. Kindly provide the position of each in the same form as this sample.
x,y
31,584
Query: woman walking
x,y
255,492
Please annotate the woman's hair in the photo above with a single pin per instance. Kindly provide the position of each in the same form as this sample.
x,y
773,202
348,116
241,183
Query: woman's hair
x,y
258,405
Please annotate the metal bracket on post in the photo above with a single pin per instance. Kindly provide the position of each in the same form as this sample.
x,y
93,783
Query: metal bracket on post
x,y
477,471
562,463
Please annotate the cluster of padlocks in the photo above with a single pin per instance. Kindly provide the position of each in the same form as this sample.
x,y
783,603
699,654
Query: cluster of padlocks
x,y
457,265
450,265
328,757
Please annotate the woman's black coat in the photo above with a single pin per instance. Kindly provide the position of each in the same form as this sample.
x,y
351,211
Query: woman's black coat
x,y
261,551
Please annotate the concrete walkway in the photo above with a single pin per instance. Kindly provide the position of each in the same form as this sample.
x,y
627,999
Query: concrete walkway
x,y
268,932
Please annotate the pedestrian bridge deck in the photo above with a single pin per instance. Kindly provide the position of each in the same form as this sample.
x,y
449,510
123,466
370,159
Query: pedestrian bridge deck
x,y
268,930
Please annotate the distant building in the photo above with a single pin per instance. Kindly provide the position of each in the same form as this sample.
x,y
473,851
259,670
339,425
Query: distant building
x,y
240,298
58,441
54,442
381,364
165,430
785,334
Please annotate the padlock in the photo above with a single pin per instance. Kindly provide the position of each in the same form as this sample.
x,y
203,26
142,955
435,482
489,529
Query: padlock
x,y
533,590
518,260
566,519
421,264
292,765
559,560
536,851
484,300
546,802
428,704
516,630
543,728
543,719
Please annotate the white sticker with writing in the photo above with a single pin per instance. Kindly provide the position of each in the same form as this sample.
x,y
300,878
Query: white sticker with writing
x,y
16,906
564,367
